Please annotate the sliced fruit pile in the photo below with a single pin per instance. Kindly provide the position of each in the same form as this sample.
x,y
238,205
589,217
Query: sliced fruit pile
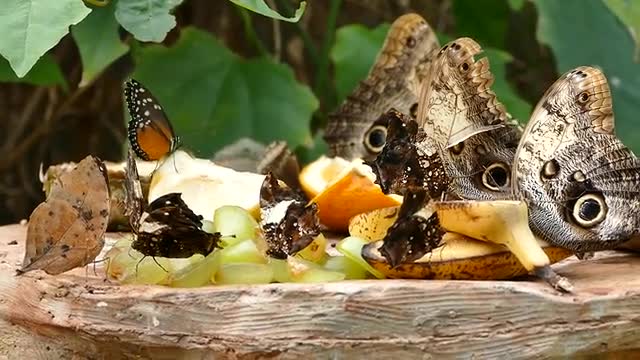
x,y
241,259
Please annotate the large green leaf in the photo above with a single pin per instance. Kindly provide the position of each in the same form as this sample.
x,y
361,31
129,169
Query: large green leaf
x,y
597,39
31,27
214,97
98,42
518,107
484,21
260,7
45,72
353,53
147,20
629,13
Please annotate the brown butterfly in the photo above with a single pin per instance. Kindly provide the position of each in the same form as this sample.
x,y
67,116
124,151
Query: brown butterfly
x,y
414,233
408,161
476,136
401,64
579,180
166,227
67,230
289,224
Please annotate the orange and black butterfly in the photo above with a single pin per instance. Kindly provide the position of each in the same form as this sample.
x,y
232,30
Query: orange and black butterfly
x,y
150,132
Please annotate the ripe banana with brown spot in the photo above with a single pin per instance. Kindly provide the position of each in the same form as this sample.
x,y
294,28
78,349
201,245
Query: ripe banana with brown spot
x,y
485,240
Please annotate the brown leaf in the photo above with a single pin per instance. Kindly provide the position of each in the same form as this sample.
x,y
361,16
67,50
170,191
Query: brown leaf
x,y
67,230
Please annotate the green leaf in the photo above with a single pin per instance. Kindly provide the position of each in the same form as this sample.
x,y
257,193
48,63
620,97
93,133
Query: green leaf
x,y
214,97
516,5
98,42
353,54
629,13
147,20
45,72
484,21
31,27
518,107
597,39
259,6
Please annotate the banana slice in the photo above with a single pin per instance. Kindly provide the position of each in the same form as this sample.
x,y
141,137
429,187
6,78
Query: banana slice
x,y
459,258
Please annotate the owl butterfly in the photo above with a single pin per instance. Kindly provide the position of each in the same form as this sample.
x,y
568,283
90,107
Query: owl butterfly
x,y
288,223
67,230
149,131
392,82
166,227
580,182
476,136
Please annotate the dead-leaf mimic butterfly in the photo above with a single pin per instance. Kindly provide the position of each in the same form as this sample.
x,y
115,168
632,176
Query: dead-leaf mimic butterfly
x,y
150,133
166,227
580,181
392,82
67,230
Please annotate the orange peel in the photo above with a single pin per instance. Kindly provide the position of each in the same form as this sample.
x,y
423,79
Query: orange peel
x,y
343,189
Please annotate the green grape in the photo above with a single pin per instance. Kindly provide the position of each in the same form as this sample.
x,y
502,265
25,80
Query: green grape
x,y
316,251
303,271
208,226
351,269
242,252
198,273
244,273
128,266
351,247
280,269
234,221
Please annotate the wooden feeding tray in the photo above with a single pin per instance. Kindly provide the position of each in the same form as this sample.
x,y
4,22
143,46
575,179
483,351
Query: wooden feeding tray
x,y
82,315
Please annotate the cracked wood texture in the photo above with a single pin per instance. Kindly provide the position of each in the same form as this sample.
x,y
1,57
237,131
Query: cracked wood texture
x,y
80,315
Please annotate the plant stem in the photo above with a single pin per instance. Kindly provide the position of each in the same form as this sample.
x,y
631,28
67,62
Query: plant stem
x,y
309,46
250,32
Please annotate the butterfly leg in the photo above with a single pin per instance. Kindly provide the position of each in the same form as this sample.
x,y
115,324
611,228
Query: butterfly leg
x,y
558,282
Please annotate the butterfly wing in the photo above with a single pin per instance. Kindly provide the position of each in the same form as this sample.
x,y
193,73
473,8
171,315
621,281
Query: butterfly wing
x,y
150,132
580,181
402,62
168,228
476,137
408,161
288,223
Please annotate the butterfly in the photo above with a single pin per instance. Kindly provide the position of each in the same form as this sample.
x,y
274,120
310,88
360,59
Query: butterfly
x,y
67,230
414,233
352,130
289,223
166,227
149,131
579,180
409,160
477,138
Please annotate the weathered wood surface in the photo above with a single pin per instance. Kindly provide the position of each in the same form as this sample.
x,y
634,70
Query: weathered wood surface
x,y
81,315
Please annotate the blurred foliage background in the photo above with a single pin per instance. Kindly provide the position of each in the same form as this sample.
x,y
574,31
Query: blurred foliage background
x,y
266,69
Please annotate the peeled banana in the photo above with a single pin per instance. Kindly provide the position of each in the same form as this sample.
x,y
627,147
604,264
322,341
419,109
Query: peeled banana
x,y
485,240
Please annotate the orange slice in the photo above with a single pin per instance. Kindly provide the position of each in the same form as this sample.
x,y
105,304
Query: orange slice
x,y
343,189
